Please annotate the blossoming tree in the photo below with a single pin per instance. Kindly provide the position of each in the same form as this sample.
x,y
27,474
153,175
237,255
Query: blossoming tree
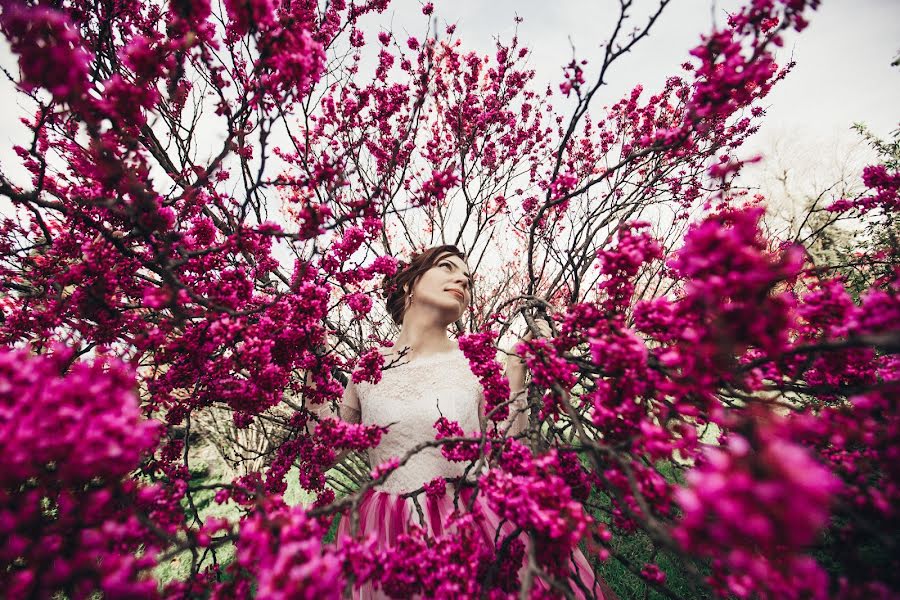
x,y
212,199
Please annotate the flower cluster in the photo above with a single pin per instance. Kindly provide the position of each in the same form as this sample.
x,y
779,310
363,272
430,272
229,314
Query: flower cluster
x,y
454,564
736,66
247,15
369,367
70,429
359,303
729,306
549,371
342,435
294,64
884,184
67,517
436,488
435,188
460,451
282,548
533,495
51,54
757,503
479,349
757,483
635,248
574,78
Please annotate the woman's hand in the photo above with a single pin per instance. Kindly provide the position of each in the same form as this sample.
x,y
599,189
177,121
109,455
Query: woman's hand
x,y
543,327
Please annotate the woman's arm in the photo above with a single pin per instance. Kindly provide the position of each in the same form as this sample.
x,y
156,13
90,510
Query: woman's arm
x,y
516,372
518,394
347,410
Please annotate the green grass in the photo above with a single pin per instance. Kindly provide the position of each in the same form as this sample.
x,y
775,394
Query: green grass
x,y
179,567
638,549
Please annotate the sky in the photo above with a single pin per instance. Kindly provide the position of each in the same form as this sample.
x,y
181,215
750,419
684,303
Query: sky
x,y
843,73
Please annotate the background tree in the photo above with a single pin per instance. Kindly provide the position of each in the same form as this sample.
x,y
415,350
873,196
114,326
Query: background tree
x,y
802,193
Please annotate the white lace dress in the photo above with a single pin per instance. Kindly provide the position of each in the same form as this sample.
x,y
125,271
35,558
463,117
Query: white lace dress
x,y
411,395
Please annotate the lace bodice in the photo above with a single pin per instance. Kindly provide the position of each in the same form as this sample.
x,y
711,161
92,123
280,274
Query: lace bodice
x,y
411,396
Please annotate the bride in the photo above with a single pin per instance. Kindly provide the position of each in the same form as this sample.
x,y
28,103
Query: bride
x,y
426,376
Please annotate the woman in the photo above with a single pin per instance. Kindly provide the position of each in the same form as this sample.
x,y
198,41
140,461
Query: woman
x,y
426,376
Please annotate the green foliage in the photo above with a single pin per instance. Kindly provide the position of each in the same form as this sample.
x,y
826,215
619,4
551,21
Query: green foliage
x,y
637,549
888,150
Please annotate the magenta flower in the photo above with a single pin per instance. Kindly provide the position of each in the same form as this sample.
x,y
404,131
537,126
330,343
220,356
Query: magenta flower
x,y
249,15
51,53
764,503
359,303
85,425
282,547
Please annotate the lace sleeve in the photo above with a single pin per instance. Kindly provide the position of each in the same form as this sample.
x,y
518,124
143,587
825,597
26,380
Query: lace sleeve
x,y
349,407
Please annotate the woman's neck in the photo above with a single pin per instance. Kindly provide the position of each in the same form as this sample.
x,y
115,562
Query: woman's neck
x,y
423,337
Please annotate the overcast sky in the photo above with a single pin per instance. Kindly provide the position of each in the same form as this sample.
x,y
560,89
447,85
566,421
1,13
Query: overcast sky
x,y
843,71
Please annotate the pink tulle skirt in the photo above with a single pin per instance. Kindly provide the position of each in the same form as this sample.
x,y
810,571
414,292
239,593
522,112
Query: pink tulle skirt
x,y
388,516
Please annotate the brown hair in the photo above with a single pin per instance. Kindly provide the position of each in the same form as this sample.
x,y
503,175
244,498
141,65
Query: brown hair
x,y
409,273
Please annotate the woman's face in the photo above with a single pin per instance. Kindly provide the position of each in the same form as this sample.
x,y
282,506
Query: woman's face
x,y
446,286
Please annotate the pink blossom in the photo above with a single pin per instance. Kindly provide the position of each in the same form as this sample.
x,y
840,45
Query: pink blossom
x,y
652,572
479,349
51,54
369,367
884,184
385,468
384,265
282,547
249,15
67,440
462,451
436,488
86,424
295,61
530,493
770,501
359,303
436,187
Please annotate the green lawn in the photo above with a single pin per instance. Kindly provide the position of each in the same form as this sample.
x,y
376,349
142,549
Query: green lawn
x,y
638,549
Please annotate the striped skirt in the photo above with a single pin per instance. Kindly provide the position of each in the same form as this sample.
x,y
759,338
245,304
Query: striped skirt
x,y
388,516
